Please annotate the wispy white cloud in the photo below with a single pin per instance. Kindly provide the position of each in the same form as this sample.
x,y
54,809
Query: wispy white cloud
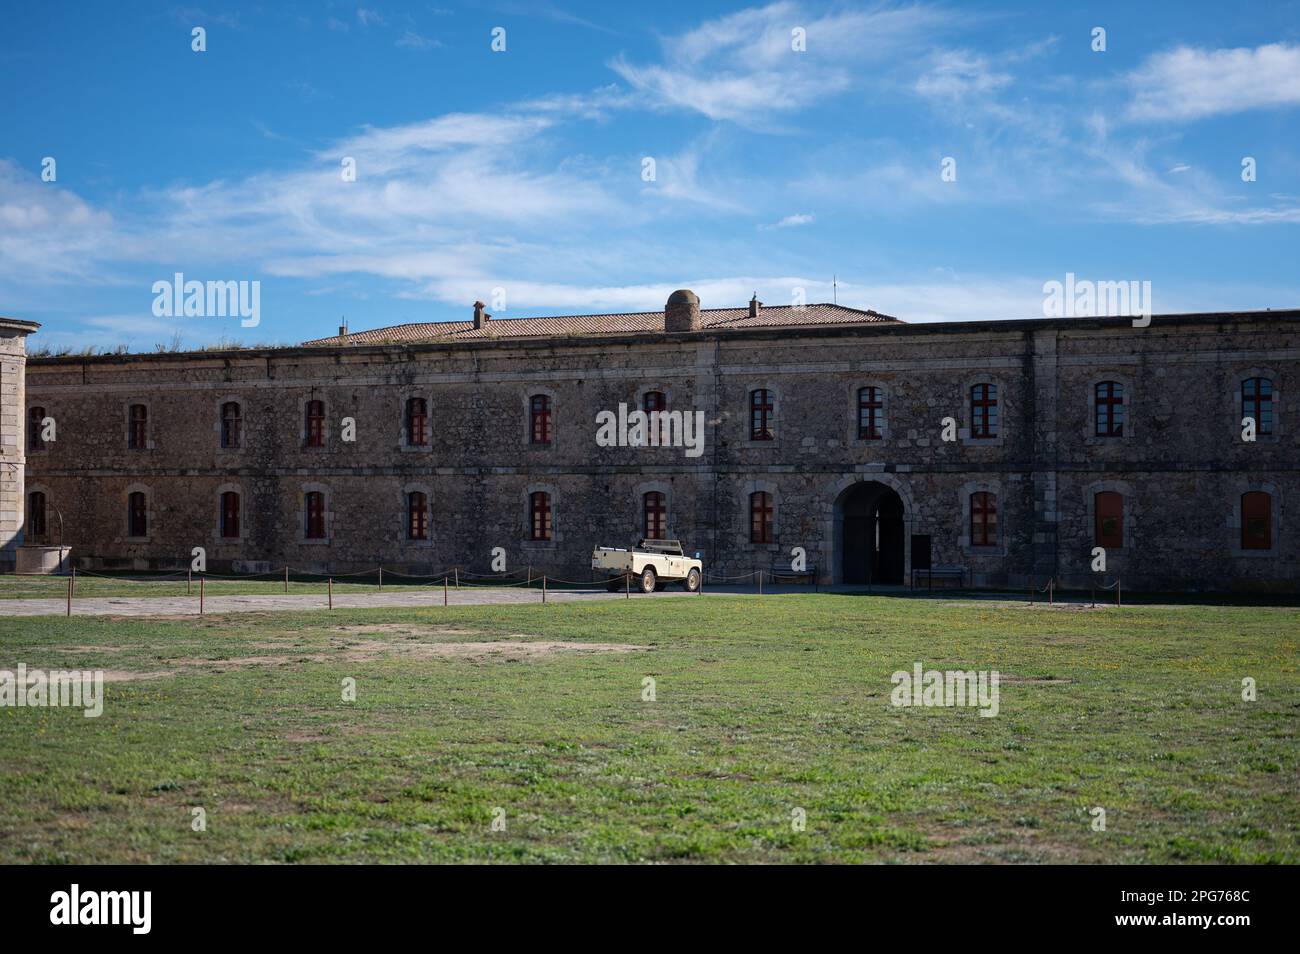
x,y
1189,83
411,40
789,222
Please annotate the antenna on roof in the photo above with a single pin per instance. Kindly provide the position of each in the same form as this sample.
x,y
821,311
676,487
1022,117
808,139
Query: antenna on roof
x,y
835,291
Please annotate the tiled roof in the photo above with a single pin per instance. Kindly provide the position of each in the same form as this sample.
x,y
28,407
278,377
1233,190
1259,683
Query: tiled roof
x,y
711,319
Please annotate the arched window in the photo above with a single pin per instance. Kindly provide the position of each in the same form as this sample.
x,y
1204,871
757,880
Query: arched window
x,y
760,517
654,401
137,427
1257,403
315,423
1108,511
35,442
36,515
1256,520
539,419
539,508
137,514
871,412
983,518
417,422
417,516
314,515
762,420
655,519
230,514
984,411
1108,401
232,424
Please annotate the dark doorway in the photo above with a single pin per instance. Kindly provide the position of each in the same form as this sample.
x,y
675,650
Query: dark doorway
x,y
871,535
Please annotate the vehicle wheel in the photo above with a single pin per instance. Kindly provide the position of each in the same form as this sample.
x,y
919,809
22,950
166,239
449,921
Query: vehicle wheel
x,y
648,580
692,581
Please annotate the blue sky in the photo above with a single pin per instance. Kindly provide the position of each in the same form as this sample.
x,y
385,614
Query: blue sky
x,y
522,170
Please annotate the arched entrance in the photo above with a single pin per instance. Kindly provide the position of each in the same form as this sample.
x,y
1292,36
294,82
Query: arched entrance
x,y
870,534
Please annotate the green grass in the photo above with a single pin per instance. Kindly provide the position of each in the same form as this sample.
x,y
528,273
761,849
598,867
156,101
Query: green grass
x,y
87,587
763,705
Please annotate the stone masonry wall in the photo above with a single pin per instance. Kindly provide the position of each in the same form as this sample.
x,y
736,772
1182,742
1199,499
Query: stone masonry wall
x,y
1181,463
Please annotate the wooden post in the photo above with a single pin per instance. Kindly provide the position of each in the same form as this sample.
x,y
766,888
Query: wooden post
x,y
74,579
1031,591
286,578
381,579
444,589
529,584
627,582
1051,591
1119,592
1094,596
200,596
543,587
69,596
456,570
330,585
189,580
760,582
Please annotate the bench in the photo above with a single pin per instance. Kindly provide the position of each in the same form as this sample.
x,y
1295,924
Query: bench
x,y
781,571
957,573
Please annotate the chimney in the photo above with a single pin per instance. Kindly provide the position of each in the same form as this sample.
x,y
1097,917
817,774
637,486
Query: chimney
x,y
755,306
343,328
682,313
480,316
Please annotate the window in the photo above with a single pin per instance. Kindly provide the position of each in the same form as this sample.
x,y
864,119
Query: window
x,y
417,422
539,420
232,419
1108,400
984,411
315,423
761,419
539,507
871,411
1257,403
137,427
983,517
1108,510
417,516
36,515
1256,520
760,517
655,515
314,515
230,514
35,442
137,514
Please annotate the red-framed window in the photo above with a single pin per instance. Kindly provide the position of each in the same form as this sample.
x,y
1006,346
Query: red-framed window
x,y
1257,402
655,516
1108,513
230,514
871,413
983,519
137,514
761,417
315,411
137,427
539,509
1256,520
36,515
417,422
654,401
539,419
314,515
417,516
35,442
760,517
1108,400
232,424
984,410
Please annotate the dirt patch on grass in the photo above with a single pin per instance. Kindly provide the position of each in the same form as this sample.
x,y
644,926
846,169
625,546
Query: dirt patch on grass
x,y
126,675
403,629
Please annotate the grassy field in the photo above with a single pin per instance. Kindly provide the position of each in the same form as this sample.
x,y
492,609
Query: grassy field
x,y
763,705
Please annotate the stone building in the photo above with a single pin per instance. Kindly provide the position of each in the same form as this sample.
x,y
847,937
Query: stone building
x,y
1009,449
13,399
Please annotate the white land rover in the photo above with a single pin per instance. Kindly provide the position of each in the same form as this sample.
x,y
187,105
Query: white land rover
x,y
652,564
